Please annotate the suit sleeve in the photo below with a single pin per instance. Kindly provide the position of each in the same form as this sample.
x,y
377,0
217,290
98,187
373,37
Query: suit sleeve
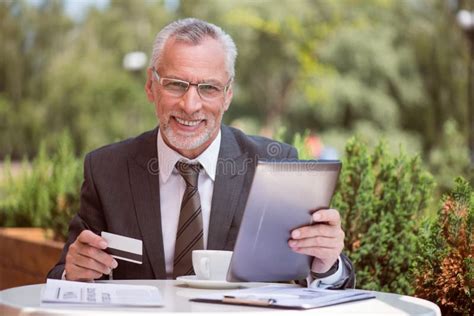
x,y
90,216
292,153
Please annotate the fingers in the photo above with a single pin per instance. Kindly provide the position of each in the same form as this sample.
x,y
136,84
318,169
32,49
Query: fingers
x,y
90,246
315,230
326,253
318,245
88,257
323,239
88,237
326,223
320,242
92,264
329,216
86,260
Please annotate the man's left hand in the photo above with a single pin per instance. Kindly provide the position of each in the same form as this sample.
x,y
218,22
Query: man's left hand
x,y
323,240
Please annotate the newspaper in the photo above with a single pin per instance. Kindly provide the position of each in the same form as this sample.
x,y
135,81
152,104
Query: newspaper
x,y
99,294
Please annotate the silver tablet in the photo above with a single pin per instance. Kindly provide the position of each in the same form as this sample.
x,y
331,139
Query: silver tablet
x,y
282,197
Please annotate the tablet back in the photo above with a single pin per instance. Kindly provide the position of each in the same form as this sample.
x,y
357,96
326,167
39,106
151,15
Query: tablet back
x,y
282,197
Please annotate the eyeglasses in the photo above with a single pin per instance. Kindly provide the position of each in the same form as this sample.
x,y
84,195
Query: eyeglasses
x,y
178,88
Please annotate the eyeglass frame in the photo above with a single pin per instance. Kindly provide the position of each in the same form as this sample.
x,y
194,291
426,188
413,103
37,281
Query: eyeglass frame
x,y
224,89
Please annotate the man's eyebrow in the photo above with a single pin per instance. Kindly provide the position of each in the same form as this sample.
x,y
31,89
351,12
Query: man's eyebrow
x,y
212,81
173,77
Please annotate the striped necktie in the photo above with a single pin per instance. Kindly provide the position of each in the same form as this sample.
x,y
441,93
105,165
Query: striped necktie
x,y
189,236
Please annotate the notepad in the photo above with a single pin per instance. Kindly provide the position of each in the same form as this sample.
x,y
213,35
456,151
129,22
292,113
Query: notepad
x,y
286,297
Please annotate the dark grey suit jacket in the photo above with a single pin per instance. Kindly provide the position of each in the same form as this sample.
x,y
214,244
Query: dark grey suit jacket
x,y
120,194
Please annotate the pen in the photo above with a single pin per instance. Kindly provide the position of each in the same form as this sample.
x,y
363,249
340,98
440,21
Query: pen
x,y
249,300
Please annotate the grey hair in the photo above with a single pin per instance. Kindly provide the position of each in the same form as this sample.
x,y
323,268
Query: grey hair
x,y
191,30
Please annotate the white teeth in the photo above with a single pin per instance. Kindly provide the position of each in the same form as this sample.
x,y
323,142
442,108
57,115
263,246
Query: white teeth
x,y
188,123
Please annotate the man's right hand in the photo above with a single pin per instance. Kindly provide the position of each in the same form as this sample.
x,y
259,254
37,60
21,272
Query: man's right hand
x,y
86,259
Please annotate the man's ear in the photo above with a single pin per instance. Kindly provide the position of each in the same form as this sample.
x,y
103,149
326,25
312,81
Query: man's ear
x,y
228,98
148,85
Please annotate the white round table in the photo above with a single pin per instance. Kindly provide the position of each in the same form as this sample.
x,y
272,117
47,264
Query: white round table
x,y
25,300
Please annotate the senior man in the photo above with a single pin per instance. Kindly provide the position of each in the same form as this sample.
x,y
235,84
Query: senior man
x,y
166,187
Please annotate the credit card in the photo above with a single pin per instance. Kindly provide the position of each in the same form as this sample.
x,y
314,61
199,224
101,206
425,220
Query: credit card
x,y
124,248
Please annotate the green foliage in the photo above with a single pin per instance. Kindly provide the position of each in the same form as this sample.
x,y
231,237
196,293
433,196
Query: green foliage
x,y
30,38
445,262
380,198
55,74
450,156
46,194
301,145
299,141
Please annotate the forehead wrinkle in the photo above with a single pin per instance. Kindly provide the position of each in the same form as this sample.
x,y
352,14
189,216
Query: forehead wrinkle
x,y
194,63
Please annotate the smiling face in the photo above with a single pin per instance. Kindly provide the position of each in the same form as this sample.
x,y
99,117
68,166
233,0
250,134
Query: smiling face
x,y
188,123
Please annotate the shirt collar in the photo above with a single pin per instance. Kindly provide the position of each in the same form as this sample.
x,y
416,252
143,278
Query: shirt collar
x,y
167,157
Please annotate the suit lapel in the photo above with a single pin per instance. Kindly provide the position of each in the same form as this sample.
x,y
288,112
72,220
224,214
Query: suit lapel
x,y
233,172
145,186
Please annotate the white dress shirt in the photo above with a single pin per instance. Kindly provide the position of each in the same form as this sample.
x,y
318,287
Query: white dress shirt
x,y
172,188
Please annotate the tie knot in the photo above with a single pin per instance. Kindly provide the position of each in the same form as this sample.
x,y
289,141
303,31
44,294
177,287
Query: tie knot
x,y
189,172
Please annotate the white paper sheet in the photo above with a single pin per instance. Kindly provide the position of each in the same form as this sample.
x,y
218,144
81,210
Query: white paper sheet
x,y
99,294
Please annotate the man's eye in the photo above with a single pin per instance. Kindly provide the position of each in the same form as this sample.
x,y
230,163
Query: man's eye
x,y
175,85
209,88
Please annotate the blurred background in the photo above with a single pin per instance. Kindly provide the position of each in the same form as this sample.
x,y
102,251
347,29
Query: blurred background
x,y
393,69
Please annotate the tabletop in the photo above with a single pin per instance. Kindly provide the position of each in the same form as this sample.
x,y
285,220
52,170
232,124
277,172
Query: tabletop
x,y
25,300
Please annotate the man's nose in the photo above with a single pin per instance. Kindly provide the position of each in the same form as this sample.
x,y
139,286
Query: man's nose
x,y
191,101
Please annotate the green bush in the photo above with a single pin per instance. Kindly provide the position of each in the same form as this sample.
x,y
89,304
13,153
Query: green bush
x,y
380,198
46,194
445,263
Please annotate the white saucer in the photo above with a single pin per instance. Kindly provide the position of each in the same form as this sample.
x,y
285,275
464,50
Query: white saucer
x,y
193,281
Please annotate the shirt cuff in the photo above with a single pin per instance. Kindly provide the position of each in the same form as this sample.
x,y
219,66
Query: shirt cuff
x,y
63,276
332,279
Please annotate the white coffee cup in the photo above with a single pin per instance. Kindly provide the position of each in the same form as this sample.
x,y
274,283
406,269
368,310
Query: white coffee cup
x,y
211,264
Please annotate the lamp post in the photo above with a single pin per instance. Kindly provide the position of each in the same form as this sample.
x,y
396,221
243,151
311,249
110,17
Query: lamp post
x,y
465,20
134,61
